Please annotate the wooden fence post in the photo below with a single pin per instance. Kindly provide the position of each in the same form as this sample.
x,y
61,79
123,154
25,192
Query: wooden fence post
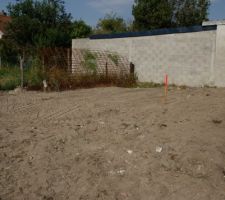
x,y
106,69
21,71
43,63
132,69
69,61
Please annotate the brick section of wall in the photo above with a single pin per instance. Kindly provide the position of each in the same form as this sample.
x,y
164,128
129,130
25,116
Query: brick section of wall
x,y
102,60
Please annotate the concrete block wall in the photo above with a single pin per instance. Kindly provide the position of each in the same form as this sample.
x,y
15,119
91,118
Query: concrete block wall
x,y
192,59
119,45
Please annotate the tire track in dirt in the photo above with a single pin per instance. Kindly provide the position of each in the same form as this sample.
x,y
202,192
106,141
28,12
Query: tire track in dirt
x,y
57,114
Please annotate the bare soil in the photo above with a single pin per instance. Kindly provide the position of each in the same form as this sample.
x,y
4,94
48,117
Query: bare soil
x,y
113,143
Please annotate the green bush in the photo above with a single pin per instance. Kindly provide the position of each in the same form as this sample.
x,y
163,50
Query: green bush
x,y
34,78
9,78
9,83
59,79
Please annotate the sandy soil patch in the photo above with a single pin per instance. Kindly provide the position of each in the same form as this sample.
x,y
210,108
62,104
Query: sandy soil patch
x,y
113,143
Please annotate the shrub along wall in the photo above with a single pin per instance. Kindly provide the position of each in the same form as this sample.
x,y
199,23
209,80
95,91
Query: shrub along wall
x,y
89,69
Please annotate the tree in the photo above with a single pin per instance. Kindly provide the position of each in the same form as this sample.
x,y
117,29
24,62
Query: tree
x,y
111,23
153,14
192,12
8,52
80,29
39,23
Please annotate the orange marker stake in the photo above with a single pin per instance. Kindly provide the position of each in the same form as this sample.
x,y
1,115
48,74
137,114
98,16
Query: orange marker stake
x,y
166,85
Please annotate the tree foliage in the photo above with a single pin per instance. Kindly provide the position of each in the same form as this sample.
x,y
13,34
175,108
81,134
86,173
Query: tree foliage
x,y
153,14
111,23
8,52
42,23
191,12
80,29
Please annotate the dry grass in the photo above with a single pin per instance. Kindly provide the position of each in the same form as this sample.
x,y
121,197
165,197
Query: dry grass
x,y
59,79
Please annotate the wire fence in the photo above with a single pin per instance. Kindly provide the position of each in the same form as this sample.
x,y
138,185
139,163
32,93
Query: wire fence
x,y
83,61
76,61
68,68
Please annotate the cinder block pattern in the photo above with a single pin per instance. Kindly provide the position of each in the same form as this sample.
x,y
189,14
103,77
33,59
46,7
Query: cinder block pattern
x,y
112,45
188,58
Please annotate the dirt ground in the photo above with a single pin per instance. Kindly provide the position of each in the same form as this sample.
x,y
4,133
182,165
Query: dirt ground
x,y
113,144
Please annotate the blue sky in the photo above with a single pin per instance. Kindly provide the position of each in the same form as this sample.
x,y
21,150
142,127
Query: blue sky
x,y
92,10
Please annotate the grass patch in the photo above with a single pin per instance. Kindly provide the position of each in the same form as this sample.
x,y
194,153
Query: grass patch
x,y
9,78
59,79
33,78
148,85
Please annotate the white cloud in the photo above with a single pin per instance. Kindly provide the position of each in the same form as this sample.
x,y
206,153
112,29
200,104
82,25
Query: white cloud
x,y
109,5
